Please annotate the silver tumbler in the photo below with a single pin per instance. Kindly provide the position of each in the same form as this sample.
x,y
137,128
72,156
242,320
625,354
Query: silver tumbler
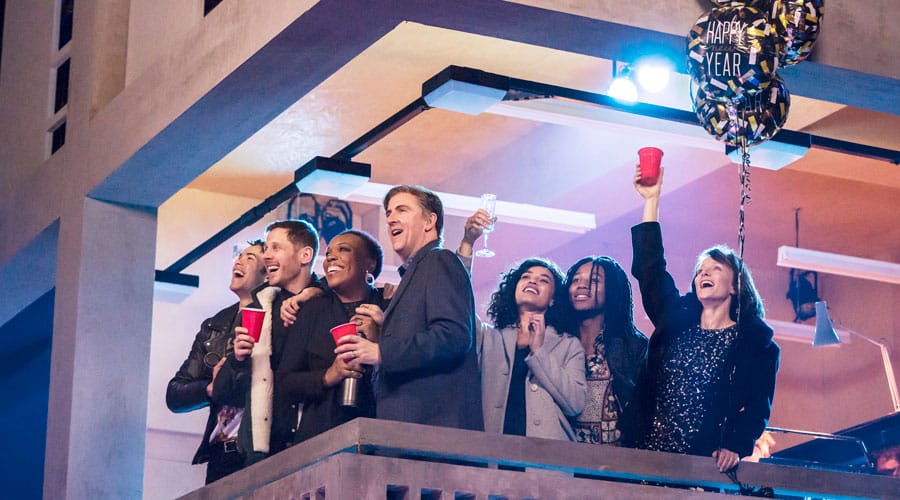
x,y
348,392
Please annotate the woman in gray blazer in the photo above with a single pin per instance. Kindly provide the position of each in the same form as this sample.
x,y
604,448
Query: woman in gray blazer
x,y
532,373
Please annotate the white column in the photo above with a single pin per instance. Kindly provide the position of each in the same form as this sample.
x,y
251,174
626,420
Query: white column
x,y
100,354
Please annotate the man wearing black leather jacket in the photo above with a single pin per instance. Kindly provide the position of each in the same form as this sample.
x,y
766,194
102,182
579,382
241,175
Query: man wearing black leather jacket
x,y
191,387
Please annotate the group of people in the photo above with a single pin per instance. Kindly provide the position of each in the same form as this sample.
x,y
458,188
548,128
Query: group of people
x,y
414,358
558,357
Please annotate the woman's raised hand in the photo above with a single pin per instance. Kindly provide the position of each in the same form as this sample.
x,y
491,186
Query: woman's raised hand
x,y
650,194
647,192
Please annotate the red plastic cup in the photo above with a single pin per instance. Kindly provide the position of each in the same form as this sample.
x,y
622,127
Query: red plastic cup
x,y
650,160
252,320
342,331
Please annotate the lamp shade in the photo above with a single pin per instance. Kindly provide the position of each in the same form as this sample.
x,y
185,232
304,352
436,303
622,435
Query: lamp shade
x,y
464,90
825,334
332,176
174,287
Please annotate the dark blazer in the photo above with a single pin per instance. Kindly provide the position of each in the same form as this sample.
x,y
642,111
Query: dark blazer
x,y
741,415
308,352
429,370
187,389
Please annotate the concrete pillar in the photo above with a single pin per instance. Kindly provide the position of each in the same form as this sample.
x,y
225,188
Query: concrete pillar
x,y
101,349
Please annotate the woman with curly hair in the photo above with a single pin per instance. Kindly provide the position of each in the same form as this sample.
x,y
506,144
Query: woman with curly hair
x,y
600,314
532,373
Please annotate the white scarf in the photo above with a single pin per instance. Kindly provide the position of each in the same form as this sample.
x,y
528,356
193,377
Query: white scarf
x,y
262,378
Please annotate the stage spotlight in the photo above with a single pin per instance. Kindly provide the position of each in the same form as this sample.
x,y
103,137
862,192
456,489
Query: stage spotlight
x,y
803,291
803,294
622,87
653,76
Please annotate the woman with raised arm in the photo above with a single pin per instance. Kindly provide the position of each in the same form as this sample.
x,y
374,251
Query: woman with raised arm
x,y
532,372
712,363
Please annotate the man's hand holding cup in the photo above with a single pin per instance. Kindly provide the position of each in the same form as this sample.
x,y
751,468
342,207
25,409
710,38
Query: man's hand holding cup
x,y
248,334
243,343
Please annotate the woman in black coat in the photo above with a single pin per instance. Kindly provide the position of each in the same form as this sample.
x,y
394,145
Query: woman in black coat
x,y
712,363
310,377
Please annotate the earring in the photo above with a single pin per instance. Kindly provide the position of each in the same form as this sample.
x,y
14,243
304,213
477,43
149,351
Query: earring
x,y
370,278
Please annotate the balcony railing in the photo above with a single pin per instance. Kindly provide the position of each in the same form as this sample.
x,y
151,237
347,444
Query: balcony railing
x,y
378,459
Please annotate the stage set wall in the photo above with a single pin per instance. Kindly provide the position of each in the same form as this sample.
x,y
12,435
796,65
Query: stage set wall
x,y
152,84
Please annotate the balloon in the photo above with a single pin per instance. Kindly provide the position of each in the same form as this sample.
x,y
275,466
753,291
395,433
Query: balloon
x,y
732,52
756,118
797,25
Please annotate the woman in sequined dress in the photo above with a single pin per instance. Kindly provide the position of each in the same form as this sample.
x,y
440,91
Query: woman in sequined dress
x,y
712,363
600,314
532,373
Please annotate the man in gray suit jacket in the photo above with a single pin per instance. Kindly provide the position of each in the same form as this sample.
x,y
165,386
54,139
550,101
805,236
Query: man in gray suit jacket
x,y
425,363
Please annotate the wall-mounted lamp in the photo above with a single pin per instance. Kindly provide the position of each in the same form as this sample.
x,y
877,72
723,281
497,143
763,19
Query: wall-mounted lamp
x,y
464,90
843,265
825,335
333,176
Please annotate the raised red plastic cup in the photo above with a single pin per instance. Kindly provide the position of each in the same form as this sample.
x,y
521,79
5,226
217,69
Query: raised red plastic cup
x,y
252,320
650,160
342,331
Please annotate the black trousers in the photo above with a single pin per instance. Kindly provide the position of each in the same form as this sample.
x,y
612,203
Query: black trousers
x,y
224,458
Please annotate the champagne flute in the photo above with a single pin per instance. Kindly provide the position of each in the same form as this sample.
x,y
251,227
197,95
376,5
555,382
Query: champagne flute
x,y
489,204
